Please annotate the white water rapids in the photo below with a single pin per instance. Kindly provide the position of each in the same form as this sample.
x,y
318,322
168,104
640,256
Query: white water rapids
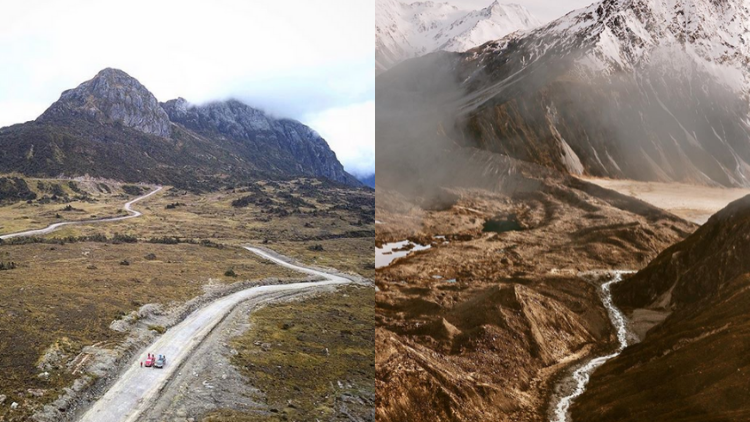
x,y
581,376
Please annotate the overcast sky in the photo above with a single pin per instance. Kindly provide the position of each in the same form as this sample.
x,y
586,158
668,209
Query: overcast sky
x,y
546,10
308,60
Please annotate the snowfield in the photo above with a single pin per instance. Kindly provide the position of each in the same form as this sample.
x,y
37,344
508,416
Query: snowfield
x,y
407,30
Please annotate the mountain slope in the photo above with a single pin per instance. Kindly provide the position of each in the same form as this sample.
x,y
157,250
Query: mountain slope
x,y
478,328
79,147
112,96
642,89
477,27
276,145
406,30
694,365
368,181
112,126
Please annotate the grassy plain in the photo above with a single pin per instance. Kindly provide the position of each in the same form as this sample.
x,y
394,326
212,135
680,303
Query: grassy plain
x,y
61,200
66,288
311,359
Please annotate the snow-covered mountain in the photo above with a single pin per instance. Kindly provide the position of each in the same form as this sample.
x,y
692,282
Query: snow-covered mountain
x,y
406,30
643,89
630,34
491,23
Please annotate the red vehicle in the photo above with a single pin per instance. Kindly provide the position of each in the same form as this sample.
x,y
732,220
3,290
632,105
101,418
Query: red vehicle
x,y
150,361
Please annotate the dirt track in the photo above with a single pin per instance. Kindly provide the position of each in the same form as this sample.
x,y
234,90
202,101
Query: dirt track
x,y
208,380
138,388
52,227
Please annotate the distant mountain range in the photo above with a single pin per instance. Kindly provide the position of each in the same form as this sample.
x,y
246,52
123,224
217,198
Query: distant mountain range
x,y
112,126
368,181
641,89
406,30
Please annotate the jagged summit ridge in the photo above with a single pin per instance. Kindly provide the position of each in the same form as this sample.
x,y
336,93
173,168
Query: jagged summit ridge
x,y
237,121
113,96
477,27
112,126
618,35
406,30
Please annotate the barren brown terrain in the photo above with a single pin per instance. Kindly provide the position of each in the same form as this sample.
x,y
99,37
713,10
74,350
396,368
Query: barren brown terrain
x,y
693,366
479,326
37,203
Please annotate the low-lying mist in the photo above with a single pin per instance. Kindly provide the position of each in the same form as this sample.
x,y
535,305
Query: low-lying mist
x,y
668,120
418,148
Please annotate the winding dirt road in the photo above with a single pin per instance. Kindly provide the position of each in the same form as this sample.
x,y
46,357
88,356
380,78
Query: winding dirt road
x,y
137,388
52,227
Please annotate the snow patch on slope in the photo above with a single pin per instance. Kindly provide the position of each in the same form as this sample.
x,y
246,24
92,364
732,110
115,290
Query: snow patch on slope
x,y
403,30
490,23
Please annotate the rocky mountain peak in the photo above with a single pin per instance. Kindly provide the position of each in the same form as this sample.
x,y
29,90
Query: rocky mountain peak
x,y
178,107
406,30
112,96
498,7
108,127
112,73
626,34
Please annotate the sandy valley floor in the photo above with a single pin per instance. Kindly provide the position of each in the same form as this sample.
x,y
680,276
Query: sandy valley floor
x,y
691,202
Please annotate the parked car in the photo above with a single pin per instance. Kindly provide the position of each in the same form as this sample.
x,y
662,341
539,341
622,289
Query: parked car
x,y
160,361
150,361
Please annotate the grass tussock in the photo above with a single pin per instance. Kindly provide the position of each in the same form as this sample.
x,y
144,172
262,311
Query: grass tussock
x,y
304,356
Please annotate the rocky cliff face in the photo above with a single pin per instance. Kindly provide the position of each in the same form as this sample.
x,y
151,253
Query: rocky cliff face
x,y
233,120
112,96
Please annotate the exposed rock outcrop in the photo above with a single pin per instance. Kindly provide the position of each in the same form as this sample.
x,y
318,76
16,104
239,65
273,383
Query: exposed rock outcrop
x,y
113,96
236,121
